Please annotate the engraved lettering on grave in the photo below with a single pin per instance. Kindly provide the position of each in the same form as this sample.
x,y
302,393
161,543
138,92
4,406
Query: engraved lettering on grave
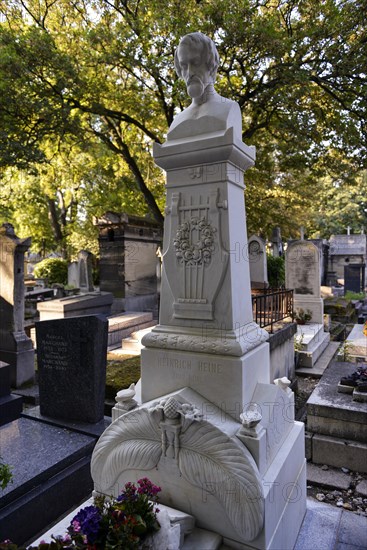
x,y
55,350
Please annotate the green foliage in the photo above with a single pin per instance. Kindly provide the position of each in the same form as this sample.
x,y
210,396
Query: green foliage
x,y
276,271
349,295
53,269
5,474
86,87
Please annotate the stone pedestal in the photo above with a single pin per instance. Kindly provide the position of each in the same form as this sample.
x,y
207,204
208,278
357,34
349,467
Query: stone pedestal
x,y
206,337
15,346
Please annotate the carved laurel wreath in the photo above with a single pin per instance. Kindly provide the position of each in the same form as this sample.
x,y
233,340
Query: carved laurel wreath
x,y
199,252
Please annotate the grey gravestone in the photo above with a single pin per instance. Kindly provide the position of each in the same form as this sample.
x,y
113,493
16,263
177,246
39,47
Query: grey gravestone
x,y
276,242
16,348
72,355
354,278
302,270
258,262
85,261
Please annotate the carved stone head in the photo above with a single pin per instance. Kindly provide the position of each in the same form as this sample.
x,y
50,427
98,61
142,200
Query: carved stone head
x,y
196,61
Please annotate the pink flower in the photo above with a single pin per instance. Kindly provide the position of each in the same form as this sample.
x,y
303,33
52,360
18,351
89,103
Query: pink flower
x,y
76,526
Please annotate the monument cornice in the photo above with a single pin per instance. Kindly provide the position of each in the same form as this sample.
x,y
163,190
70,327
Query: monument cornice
x,y
231,342
208,149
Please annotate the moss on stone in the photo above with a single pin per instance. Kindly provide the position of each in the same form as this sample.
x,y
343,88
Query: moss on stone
x,y
121,372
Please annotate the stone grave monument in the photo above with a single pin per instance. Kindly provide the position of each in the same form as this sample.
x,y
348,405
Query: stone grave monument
x,y
16,348
258,262
128,259
348,250
276,242
212,430
302,270
72,355
85,265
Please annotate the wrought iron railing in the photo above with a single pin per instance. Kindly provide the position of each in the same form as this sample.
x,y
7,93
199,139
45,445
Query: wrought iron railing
x,y
272,306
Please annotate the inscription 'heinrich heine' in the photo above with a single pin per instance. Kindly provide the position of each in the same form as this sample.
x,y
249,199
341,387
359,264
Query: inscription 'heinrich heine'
x,y
186,365
209,366
181,364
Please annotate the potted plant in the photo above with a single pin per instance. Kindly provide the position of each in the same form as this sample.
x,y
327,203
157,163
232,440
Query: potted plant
x,y
301,316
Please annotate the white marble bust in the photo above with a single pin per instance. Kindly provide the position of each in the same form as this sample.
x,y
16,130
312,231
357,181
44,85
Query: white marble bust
x,y
196,61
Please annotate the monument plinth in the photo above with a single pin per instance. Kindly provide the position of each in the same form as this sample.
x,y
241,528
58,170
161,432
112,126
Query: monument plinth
x,y
212,430
16,348
206,337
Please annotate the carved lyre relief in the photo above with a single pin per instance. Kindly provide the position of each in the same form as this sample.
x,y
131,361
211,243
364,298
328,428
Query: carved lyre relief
x,y
195,260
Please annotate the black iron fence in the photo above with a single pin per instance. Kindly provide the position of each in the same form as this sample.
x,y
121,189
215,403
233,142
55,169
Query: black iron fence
x,y
272,306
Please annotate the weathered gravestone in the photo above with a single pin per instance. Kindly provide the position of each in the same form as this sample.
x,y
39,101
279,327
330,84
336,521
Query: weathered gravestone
x,y
128,249
85,263
302,268
73,274
258,262
16,348
72,367
276,242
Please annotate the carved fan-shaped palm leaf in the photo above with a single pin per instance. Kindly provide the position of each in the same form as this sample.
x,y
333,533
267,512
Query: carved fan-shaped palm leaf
x,y
132,441
210,460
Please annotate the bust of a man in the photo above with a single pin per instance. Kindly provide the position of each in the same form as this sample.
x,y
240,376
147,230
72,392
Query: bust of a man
x,y
196,61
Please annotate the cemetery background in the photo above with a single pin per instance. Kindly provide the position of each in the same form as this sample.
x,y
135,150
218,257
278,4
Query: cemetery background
x,y
61,207
351,484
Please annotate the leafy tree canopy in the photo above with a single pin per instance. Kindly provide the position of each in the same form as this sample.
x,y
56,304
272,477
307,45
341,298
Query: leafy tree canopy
x,y
87,86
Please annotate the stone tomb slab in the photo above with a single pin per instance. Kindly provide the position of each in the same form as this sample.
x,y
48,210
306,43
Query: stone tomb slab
x,y
72,356
336,414
73,306
50,469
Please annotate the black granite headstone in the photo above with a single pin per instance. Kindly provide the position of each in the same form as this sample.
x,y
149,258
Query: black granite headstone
x,y
72,355
354,278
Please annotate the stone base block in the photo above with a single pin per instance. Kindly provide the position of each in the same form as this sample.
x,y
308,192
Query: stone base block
x,y
314,348
360,396
285,497
335,414
21,366
228,382
341,453
10,408
315,305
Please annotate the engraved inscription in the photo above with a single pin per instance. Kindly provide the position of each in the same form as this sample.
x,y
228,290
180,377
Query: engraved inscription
x,y
208,366
55,352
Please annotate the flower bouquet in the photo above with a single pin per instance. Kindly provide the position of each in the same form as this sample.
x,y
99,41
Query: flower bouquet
x,y
120,524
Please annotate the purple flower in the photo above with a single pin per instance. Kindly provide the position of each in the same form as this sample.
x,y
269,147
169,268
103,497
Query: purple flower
x,y
88,520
